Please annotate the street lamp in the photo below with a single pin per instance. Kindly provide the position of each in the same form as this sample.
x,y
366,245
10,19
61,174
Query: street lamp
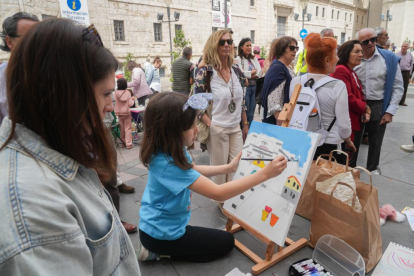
x,y
160,18
388,16
304,5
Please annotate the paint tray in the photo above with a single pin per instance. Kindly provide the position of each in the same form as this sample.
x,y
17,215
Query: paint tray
x,y
338,258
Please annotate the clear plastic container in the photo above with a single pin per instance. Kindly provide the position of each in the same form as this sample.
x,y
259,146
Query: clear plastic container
x,y
338,258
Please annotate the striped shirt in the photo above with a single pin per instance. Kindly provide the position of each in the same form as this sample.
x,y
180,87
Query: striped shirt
x,y
181,75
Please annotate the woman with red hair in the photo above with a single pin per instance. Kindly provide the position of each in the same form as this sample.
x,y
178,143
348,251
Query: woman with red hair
x,y
332,95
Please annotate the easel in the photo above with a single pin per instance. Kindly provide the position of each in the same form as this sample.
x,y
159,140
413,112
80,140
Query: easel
x,y
234,224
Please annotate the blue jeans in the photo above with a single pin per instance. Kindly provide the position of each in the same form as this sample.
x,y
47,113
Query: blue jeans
x,y
250,102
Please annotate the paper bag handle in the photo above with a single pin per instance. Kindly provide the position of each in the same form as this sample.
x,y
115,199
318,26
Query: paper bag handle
x,y
367,171
342,183
330,160
346,154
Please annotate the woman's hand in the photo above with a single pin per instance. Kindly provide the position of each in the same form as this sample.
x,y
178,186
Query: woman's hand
x,y
254,71
365,117
234,163
245,131
275,167
350,145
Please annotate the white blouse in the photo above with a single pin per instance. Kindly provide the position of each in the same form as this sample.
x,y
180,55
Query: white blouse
x,y
221,116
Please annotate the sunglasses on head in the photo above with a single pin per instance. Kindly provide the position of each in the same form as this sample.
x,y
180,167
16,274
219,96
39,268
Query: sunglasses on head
x,y
223,41
373,40
92,30
293,48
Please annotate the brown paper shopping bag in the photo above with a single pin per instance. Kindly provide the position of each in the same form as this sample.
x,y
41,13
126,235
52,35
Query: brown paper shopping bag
x,y
361,230
321,170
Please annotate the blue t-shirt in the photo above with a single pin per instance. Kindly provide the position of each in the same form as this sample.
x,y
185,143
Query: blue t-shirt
x,y
166,202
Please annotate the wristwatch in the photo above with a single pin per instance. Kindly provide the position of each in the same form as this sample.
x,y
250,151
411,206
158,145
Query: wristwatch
x,y
245,123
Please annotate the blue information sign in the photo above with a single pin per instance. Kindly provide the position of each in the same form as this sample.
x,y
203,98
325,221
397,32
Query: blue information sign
x,y
303,33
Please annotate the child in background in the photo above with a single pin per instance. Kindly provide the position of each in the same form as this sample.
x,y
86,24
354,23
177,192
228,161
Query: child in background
x,y
123,101
173,176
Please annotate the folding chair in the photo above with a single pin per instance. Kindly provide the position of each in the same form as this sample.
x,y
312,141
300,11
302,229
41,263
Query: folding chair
x,y
137,115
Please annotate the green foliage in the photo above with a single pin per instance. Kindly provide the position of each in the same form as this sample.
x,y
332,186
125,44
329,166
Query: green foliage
x,y
407,40
127,73
180,42
263,52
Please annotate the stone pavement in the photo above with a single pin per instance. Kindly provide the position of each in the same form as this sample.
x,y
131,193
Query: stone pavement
x,y
394,186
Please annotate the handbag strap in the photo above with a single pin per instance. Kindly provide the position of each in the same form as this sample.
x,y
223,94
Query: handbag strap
x,y
346,154
349,186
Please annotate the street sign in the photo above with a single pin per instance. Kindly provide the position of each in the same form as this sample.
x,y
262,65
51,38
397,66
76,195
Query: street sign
x,y
303,33
76,10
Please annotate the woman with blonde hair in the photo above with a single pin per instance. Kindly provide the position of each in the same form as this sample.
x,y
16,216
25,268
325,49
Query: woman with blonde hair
x,y
321,59
218,76
139,84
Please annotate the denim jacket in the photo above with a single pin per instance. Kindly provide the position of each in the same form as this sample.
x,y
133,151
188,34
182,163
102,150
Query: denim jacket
x,y
56,217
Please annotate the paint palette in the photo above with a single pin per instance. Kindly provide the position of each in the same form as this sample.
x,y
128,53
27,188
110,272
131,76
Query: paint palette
x,y
336,257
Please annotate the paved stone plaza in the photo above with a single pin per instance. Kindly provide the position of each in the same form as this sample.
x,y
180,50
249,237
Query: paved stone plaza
x,y
394,185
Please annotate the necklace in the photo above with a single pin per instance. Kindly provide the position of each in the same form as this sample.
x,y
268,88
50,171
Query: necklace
x,y
232,104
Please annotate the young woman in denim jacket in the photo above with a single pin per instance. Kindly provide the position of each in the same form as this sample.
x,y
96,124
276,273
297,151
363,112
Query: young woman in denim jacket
x,y
57,219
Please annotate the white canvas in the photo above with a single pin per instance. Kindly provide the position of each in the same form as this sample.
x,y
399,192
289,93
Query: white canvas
x,y
269,207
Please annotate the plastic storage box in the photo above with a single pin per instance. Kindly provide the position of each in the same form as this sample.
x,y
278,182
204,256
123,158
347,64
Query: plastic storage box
x,y
337,257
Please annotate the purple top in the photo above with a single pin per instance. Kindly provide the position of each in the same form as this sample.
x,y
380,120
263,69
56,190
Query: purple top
x,y
406,63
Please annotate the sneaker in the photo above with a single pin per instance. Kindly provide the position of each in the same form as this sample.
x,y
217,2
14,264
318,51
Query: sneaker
x,y
144,254
407,148
377,172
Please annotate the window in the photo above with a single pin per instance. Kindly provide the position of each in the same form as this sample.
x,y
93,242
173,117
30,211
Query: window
x,y
157,32
252,3
350,17
178,28
119,30
337,16
357,18
45,16
214,29
332,14
323,12
362,20
317,9
252,36
345,16
281,26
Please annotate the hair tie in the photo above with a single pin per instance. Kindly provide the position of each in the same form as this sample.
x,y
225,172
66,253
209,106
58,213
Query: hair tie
x,y
198,101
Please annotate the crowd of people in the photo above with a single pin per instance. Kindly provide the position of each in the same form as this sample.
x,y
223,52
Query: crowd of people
x,y
60,182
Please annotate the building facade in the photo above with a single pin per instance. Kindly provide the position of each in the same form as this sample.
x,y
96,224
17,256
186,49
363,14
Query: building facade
x,y
400,28
131,26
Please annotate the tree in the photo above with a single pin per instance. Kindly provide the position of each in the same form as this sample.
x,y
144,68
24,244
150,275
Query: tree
x,y
127,74
180,42
263,52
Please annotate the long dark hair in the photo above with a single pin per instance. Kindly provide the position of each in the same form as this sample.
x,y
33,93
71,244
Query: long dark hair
x,y
164,125
345,50
240,50
50,88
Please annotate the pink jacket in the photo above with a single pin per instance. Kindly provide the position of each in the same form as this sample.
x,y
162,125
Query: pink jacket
x,y
123,101
139,83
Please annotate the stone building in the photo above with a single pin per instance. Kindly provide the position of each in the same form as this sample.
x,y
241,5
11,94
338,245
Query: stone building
x,y
131,26
400,27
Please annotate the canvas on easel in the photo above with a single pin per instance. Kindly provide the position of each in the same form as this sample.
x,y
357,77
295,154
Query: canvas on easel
x,y
270,206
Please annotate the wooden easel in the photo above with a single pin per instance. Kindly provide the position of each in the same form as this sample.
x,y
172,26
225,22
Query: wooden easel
x,y
234,224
